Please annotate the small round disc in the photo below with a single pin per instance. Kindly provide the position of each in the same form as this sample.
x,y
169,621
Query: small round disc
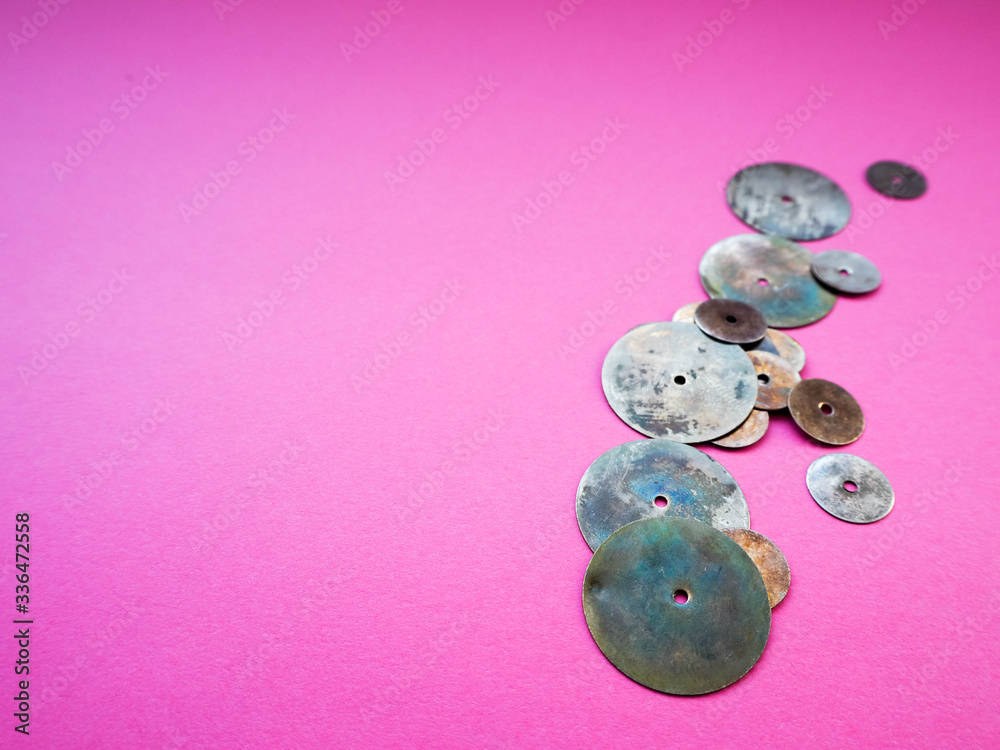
x,y
826,412
897,180
731,321
850,488
789,201
770,273
748,433
670,380
676,605
653,478
769,560
846,272
780,343
686,313
775,379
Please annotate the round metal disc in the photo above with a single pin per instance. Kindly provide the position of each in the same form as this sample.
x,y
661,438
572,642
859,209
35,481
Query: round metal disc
x,y
789,201
775,379
846,272
769,560
731,321
686,313
826,412
780,343
632,596
653,478
770,273
850,488
897,180
748,433
670,380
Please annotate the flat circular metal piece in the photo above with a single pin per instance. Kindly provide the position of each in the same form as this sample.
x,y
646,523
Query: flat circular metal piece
x,y
670,380
686,313
846,272
775,379
769,560
850,488
653,478
770,273
897,180
789,201
748,433
676,605
826,412
780,343
731,321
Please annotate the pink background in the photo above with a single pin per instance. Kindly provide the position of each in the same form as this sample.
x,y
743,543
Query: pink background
x,y
333,605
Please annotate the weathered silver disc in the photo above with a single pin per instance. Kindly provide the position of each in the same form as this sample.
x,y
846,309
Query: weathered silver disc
x,y
730,321
769,560
850,488
676,605
653,478
670,380
780,343
748,433
846,272
789,201
771,273
686,313
775,379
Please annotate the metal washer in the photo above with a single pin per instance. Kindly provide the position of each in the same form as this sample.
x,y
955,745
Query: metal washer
x,y
654,478
896,180
846,272
829,479
731,321
826,412
775,379
770,561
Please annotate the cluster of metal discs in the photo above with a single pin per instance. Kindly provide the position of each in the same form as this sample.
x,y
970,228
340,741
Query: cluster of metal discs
x,y
679,592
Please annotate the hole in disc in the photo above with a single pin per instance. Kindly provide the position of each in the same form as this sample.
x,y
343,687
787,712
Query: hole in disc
x,y
787,199
850,486
897,180
763,282
730,318
681,596
844,272
763,378
680,380
661,502
826,408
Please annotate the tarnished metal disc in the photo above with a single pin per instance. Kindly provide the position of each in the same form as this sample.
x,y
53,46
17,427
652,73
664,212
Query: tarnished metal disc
x,y
748,433
775,379
850,488
653,478
897,180
686,313
789,201
676,605
731,321
670,380
780,343
769,560
771,273
826,412
846,271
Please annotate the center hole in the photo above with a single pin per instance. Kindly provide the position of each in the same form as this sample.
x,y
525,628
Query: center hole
x,y
787,199
826,409
680,380
897,180
850,486
681,596
845,271
661,502
762,282
730,318
763,378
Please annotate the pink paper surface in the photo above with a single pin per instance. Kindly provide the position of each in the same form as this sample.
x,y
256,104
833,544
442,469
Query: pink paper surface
x,y
346,519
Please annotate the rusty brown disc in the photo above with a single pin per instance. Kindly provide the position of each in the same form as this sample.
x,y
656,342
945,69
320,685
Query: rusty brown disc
x,y
826,412
731,321
748,433
686,313
780,343
775,379
769,560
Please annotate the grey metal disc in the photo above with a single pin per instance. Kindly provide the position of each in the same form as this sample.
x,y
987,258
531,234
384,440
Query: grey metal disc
x,y
730,321
770,561
829,479
780,343
635,609
748,433
896,180
789,201
846,272
670,380
653,478
771,273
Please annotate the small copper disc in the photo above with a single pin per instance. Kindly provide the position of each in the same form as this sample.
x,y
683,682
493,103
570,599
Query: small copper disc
x,y
846,272
731,321
780,343
686,313
826,412
775,379
850,488
769,560
748,433
896,180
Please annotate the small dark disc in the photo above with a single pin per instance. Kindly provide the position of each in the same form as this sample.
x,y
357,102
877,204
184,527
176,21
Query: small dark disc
x,y
896,180
846,272
731,321
826,412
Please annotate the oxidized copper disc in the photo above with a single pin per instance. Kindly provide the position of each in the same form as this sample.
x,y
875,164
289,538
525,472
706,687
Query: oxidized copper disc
x,y
850,488
775,379
748,433
826,412
670,380
770,273
780,343
789,201
769,560
846,272
653,478
897,180
731,321
686,313
676,605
